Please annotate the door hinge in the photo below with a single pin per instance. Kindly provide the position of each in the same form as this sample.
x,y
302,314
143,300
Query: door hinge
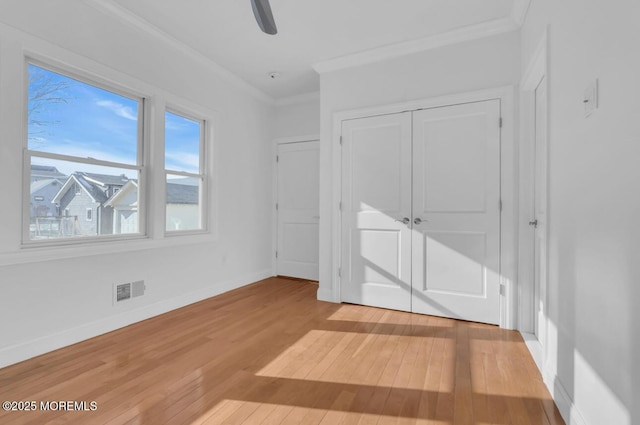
x,y
500,205
276,206
277,158
339,272
500,122
503,290
276,254
340,140
340,206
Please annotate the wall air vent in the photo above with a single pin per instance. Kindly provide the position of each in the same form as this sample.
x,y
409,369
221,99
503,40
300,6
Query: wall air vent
x,y
123,292
126,291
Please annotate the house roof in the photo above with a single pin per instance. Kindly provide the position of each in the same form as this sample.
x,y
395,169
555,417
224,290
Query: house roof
x,y
93,184
121,195
185,192
105,179
40,184
182,194
45,171
177,193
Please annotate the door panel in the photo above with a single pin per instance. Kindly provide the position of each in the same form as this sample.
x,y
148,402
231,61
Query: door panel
x,y
454,263
456,194
452,171
298,205
376,191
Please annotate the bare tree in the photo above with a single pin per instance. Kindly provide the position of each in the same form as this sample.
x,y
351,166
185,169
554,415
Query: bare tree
x,y
45,91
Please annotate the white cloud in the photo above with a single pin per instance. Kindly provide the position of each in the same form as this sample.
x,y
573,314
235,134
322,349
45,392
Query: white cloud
x,y
37,139
118,109
181,161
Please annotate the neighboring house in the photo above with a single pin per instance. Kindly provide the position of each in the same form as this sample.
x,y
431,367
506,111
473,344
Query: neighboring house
x,y
125,209
46,181
82,199
41,196
183,210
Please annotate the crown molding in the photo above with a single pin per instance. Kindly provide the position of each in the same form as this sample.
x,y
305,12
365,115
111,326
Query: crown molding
x,y
519,11
111,8
298,99
468,33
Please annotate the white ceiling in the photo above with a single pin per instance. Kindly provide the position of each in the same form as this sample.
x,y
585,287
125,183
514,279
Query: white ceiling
x,y
310,32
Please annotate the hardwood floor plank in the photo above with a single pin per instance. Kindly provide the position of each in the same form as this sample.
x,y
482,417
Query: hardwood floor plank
x,y
270,353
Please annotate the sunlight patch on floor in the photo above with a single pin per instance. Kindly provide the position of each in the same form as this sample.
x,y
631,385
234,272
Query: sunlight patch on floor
x,y
316,355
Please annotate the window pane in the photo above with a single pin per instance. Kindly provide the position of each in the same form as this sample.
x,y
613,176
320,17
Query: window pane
x,y
69,117
182,143
72,200
183,203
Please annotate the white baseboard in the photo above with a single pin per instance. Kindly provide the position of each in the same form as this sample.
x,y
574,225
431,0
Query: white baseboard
x,y
565,403
535,348
42,345
567,407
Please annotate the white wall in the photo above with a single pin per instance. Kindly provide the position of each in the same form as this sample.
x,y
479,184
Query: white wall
x,y
487,63
298,119
594,206
56,297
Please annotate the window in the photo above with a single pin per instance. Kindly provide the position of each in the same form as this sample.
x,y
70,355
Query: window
x,y
184,169
84,140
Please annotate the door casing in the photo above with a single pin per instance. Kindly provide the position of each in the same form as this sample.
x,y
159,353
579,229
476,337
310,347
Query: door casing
x,y
536,71
508,225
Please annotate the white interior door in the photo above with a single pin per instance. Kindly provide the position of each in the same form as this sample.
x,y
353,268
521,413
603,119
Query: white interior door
x,y
297,212
456,211
539,222
421,211
376,197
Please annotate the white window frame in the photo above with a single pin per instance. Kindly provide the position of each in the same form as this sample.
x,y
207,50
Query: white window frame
x,y
88,215
203,199
140,166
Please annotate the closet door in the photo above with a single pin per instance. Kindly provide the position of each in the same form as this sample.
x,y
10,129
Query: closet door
x,y
376,211
456,211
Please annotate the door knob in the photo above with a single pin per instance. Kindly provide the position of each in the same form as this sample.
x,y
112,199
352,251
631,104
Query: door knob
x,y
405,220
418,220
534,223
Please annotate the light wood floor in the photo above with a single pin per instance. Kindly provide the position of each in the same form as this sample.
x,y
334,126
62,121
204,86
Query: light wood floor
x,y
269,353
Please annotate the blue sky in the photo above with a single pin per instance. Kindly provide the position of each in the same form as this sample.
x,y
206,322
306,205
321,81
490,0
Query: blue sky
x,y
93,122
182,143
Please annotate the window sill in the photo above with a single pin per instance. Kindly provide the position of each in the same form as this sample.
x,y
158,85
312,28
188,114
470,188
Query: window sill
x,y
35,253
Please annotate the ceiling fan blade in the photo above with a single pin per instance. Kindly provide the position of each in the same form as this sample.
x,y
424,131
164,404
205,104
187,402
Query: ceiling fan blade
x,y
262,12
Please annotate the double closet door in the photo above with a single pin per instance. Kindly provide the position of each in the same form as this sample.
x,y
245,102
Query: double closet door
x,y
421,211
